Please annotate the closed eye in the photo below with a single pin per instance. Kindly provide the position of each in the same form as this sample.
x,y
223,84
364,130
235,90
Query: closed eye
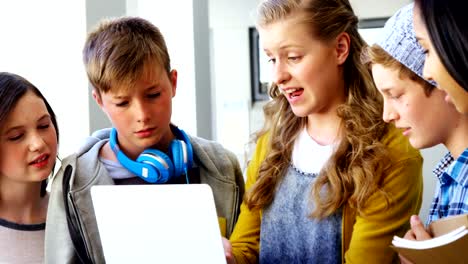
x,y
154,95
44,126
122,104
15,138
294,58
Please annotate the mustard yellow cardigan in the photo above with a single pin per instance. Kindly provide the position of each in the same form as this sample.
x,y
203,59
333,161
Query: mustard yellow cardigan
x,y
365,238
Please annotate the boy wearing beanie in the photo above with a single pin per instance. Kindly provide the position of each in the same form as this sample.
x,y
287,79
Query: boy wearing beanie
x,y
422,114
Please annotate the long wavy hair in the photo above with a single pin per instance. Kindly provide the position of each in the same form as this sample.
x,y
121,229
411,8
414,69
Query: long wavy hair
x,y
354,170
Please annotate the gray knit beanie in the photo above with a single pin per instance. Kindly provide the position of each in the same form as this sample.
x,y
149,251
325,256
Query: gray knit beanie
x,y
399,40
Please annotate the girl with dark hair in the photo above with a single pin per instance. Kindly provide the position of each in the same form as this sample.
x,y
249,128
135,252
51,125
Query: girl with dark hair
x,y
28,148
442,30
330,181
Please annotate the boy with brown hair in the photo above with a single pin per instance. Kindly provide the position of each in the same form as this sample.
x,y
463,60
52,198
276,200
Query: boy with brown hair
x,y
128,65
422,114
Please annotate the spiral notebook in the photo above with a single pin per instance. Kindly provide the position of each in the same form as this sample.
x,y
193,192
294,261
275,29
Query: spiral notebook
x,y
158,223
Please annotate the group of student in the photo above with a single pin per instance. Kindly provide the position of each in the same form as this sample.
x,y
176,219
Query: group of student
x,y
336,172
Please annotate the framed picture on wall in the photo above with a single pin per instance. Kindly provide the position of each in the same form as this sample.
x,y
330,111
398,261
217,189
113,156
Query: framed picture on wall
x,y
260,76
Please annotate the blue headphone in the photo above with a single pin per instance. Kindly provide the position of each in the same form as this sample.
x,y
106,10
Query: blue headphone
x,y
155,166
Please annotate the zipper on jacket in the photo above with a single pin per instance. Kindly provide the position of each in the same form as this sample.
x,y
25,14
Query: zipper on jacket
x,y
236,210
78,221
73,221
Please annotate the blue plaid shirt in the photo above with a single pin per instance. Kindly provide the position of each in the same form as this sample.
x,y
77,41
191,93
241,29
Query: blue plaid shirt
x,y
452,196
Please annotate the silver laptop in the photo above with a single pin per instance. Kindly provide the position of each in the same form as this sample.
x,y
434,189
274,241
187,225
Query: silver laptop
x,y
158,224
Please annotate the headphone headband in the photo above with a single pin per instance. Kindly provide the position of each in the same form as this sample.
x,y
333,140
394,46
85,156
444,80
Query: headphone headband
x,y
155,166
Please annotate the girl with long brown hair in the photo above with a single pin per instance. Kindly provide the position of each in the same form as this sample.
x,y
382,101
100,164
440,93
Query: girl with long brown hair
x,y
329,181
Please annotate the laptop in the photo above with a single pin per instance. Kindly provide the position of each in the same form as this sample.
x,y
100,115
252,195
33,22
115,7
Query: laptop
x,y
158,223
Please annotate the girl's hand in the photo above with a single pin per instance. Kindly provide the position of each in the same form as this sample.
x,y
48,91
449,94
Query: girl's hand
x,y
228,251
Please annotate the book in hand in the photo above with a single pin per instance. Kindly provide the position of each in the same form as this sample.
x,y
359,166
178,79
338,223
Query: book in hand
x,y
448,245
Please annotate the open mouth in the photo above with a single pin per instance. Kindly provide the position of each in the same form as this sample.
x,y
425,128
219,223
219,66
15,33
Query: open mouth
x,y
41,161
292,93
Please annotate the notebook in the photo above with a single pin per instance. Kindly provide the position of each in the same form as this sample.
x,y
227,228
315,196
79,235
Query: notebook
x,y
158,223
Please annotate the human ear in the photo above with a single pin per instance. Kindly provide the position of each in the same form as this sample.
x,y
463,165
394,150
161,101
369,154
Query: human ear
x,y
342,47
173,79
97,97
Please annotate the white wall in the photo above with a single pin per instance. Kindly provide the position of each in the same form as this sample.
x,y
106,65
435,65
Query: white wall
x,y
42,41
376,9
229,22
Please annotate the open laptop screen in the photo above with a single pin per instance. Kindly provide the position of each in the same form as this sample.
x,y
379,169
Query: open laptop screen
x,y
158,223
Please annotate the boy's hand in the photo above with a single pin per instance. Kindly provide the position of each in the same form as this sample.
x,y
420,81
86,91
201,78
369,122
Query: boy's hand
x,y
228,251
417,232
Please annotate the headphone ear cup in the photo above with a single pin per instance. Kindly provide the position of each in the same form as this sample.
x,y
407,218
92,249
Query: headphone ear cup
x,y
177,153
160,162
187,147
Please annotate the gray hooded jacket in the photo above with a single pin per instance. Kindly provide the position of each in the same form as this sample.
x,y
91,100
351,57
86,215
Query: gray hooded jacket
x,y
71,231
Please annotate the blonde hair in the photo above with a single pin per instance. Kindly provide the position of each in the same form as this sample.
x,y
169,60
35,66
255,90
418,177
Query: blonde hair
x,y
377,55
354,171
117,51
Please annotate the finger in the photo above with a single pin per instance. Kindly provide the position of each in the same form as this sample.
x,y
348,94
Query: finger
x,y
410,235
418,228
227,246
228,251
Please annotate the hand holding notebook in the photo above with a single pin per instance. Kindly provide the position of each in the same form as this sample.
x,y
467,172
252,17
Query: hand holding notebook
x,y
448,245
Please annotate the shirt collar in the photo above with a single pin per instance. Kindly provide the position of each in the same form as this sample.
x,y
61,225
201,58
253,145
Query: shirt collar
x,y
450,169
443,165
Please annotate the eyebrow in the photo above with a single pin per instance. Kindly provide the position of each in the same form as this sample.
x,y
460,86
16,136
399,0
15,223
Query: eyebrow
x,y
151,87
290,46
387,89
287,46
45,116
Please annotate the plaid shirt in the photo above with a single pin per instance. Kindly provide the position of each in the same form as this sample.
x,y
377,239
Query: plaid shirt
x,y
452,196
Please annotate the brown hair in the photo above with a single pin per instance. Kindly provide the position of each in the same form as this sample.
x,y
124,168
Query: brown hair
x,y
354,170
376,55
117,51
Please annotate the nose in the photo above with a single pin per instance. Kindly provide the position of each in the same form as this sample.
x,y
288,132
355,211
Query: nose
x,y
280,73
426,71
36,142
389,114
142,111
